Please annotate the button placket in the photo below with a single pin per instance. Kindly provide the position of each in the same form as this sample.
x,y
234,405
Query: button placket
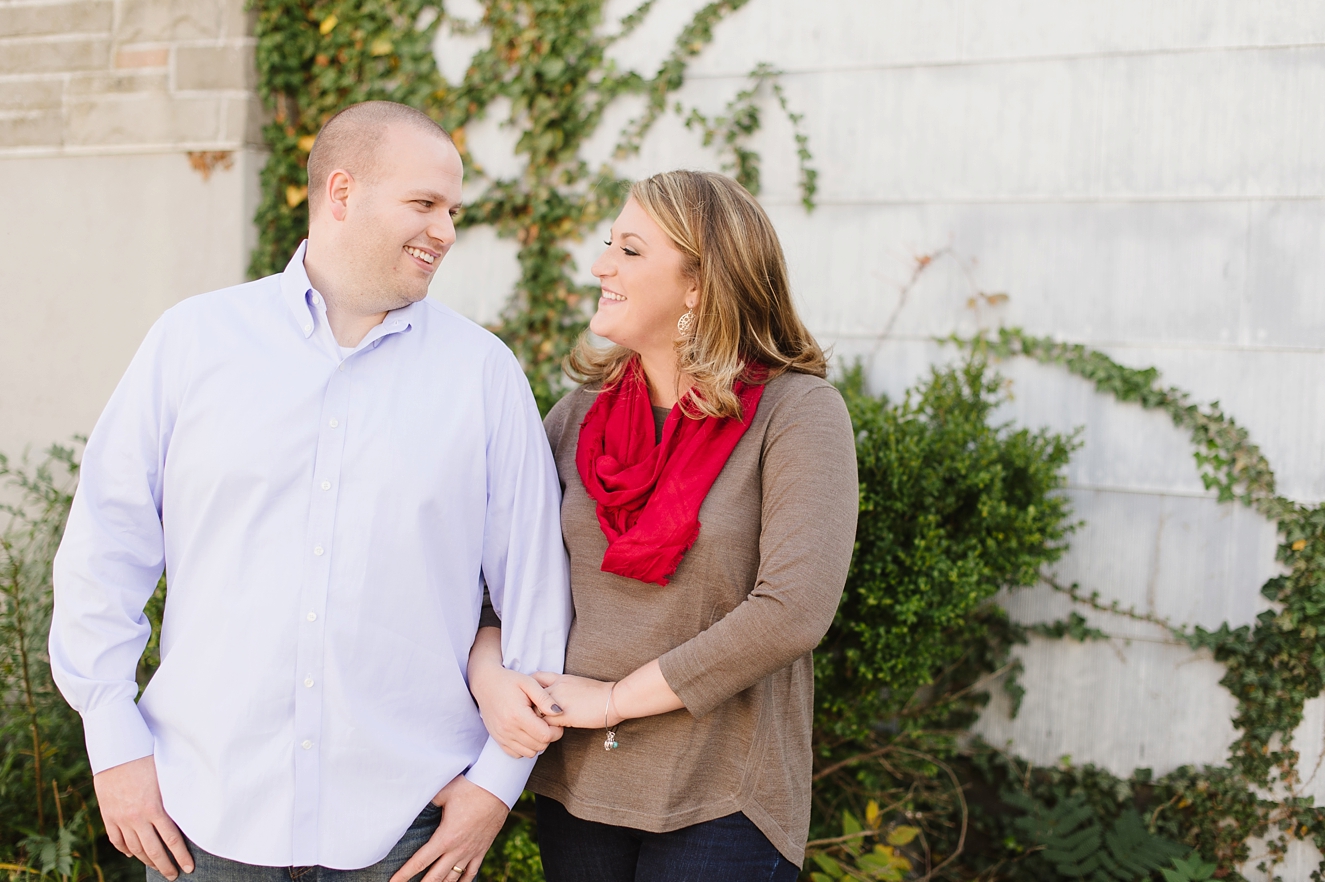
x,y
319,559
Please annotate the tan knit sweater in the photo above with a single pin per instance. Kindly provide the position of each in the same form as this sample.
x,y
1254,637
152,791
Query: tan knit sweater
x,y
733,629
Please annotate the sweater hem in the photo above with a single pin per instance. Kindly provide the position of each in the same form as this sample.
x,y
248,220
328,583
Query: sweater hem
x,y
618,816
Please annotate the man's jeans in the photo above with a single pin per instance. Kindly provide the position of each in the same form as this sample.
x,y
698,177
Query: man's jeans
x,y
210,868
730,849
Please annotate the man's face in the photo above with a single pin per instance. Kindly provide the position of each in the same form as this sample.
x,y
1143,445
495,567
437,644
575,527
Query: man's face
x,y
400,220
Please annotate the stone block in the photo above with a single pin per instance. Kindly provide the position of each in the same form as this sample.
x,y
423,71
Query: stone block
x,y
146,118
146,21
244,118
215,68
31,95
79,17
54,56
130,57
41,129
119,82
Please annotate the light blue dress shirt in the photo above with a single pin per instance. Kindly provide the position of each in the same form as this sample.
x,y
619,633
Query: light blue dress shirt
x,y
326,523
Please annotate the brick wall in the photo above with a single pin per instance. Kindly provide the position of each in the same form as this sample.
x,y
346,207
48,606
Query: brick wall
x,y
109,76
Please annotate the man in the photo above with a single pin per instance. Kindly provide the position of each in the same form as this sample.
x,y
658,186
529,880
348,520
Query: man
x,y
330,468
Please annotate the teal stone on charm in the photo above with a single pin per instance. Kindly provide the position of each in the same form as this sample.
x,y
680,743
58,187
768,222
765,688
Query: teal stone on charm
x,y
611,743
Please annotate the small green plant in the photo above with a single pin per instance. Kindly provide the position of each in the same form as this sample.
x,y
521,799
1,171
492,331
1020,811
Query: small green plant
x,y
1075,843
859,854
1193,869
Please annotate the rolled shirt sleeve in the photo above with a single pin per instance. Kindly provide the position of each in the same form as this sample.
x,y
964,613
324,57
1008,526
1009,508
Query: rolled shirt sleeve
x,y
111,558
524,558
807,533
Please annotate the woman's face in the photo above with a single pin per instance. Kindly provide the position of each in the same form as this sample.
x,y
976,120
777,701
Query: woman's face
x,y
644,289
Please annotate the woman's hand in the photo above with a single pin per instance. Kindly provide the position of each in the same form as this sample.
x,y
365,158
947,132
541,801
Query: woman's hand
x,y
582,700
512,704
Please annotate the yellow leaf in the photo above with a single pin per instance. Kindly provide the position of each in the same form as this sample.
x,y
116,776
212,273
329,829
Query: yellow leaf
x,y
1299,545
380,46
328,24
306,143
458,138
902,835
872,814
294,195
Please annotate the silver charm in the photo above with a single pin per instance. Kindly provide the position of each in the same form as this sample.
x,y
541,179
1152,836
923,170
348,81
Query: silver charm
x,y
685,322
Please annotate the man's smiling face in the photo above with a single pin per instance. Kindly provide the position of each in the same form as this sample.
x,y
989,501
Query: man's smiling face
x,y
401,216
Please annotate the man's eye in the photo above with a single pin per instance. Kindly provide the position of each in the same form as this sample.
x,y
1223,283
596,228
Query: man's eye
x,y
426,203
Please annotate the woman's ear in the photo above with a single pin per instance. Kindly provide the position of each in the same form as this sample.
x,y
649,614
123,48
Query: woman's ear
x,y
692,296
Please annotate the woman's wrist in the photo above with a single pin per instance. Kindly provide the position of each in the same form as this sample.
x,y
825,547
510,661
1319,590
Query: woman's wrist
x,y
612,716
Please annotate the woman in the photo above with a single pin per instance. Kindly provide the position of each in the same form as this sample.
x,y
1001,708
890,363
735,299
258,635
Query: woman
x,y
709,513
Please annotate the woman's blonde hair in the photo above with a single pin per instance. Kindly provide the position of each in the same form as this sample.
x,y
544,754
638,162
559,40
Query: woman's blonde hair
x,y
744,317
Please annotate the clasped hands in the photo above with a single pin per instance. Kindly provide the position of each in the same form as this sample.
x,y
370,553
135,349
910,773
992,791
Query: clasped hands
x,y
524,714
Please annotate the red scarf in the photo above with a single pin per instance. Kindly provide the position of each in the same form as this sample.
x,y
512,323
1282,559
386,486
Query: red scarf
x,y
649,493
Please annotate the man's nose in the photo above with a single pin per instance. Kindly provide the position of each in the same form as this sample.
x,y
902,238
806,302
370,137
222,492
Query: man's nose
x,y
442,231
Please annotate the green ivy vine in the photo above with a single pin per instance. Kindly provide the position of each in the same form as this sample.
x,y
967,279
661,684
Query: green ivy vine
x,y
549,58
1272,667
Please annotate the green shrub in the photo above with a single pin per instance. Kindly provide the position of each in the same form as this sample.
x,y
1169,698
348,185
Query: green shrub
x,y
49,823
953,507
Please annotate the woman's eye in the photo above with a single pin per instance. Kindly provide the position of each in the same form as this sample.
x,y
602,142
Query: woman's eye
x,y
607,242
630,251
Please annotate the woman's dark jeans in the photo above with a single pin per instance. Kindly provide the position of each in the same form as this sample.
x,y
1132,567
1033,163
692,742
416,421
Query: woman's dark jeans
x,y
728,849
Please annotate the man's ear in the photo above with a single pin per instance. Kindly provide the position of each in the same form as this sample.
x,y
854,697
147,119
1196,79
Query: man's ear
x,y
339,184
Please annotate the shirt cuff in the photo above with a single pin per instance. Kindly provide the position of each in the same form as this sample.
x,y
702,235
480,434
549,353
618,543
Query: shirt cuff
x,y
500,774
116,734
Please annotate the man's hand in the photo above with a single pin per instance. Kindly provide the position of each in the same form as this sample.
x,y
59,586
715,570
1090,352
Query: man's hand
x,y
471,819
135,819
512,704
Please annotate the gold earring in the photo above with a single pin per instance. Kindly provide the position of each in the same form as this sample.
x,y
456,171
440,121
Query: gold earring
x,y
685,322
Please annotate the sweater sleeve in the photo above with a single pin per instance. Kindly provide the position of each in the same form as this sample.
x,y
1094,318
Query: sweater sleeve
x,y
808,530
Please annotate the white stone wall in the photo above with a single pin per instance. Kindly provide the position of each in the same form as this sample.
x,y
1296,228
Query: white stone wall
x,y
1144,176
129,154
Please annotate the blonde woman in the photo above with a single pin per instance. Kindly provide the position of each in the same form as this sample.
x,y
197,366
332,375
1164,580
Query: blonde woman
x,y
709,512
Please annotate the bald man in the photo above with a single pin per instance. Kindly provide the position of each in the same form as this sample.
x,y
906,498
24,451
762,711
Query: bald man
x,y
330,468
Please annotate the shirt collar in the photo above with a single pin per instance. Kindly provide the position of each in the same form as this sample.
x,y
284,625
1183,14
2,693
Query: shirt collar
x,y
309,307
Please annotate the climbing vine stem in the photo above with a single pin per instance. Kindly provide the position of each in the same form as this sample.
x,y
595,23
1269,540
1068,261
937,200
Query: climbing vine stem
x,y
1273,666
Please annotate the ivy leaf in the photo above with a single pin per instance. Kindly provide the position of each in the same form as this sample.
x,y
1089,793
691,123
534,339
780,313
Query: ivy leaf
x,y
903,835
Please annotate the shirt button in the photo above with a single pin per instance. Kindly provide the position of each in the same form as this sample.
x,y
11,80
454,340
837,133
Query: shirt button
x,y
307,745
317,549
308,681
308,328
334,423
342,366
312,617
326,485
